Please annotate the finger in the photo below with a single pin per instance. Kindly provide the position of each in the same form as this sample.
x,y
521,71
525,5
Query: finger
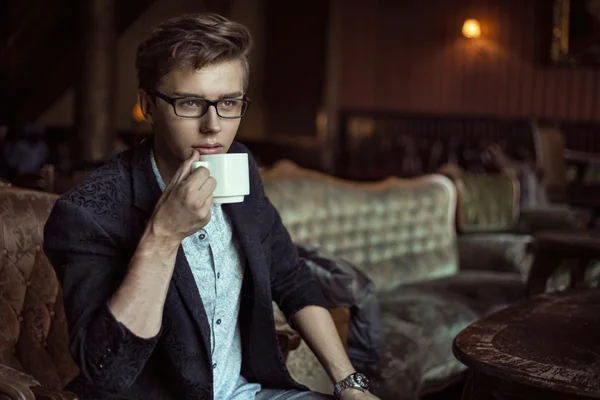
x,y
203,207
207,188
209,201
196,179
184,169
200,195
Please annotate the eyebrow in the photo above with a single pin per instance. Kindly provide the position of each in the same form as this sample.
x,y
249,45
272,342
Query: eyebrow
x,y
232,95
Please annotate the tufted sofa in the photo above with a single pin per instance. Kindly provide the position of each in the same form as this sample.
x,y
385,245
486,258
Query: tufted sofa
x,y
401,234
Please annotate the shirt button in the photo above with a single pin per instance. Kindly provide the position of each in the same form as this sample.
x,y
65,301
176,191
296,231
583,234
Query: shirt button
x,y
219,321
214,365
202,236
218,275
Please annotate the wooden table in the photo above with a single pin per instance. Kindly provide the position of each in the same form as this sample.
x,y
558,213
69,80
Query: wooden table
x,y
547,347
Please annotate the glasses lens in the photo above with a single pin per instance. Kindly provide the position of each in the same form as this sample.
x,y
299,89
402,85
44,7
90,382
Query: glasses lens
x,y
190,107
230,108
233,108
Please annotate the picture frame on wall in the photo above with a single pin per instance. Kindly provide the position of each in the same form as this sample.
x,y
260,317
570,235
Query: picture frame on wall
x,y
576,33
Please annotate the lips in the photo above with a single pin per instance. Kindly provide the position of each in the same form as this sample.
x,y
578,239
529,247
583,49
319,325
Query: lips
x,y
208,148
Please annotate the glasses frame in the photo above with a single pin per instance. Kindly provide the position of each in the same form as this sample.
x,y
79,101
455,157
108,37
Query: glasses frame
x,y
172,100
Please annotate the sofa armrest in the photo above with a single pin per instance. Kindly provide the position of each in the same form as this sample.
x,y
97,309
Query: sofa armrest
x,y
495,252
288,340
550,218
16,385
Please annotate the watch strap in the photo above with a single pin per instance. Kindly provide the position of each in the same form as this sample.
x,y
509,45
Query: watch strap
x,y
356,380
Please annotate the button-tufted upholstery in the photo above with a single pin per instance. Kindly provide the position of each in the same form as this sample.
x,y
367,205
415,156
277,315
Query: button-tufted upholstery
x,y
402,235
486,203
33,332
395,231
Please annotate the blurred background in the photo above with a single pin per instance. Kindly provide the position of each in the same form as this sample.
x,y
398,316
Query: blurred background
x,y
360,90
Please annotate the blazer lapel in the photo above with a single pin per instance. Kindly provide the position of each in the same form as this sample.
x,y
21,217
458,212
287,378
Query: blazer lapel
x,y
186,285
146,193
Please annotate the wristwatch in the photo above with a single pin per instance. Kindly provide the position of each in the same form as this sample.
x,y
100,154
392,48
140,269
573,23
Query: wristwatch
x,y
355,381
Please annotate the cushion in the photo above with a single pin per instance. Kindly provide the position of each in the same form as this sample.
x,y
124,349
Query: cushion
x,y
399,372
481,291
420,321
430,316
346,286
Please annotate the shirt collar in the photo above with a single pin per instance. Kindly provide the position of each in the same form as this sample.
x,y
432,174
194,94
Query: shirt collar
x,y
159,178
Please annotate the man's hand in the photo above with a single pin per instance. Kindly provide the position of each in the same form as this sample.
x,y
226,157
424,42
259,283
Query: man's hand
x,y
184,207
355,394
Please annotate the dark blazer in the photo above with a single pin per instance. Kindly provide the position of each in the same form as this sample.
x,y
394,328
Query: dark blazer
x,y
90,238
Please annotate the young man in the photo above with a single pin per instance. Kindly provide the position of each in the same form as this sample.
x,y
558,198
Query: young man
x,y
168,296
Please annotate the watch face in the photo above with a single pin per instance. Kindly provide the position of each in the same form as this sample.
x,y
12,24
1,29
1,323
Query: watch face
x,y
362,380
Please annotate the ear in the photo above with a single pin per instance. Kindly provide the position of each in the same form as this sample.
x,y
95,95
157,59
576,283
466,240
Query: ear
x,y
146,105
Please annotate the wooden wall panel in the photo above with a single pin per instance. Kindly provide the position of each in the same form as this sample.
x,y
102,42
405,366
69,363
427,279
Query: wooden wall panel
x,y
295,34
410,56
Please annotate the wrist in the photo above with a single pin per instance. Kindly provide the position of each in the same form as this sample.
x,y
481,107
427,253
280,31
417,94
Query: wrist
x,y
154,243
341,374
352,383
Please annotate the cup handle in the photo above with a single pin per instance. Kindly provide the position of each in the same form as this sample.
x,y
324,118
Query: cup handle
x,y
198,164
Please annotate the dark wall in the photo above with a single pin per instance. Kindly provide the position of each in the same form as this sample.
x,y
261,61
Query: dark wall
x,y
404,55
296,34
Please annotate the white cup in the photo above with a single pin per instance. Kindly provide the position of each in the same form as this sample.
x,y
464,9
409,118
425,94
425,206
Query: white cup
x,y
231,173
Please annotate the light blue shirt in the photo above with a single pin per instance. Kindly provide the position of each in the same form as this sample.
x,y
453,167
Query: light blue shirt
x,y
216,263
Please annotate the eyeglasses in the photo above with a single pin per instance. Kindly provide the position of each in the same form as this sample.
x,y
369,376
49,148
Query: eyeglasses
x,y
196,107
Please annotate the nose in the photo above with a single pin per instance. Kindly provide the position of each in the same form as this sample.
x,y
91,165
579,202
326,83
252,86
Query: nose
x,y
210,122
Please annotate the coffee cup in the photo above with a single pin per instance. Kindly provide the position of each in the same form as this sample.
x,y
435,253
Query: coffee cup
x,y
231,173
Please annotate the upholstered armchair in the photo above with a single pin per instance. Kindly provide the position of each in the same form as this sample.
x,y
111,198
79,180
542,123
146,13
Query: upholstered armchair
x,y
490,203
402,235
34,355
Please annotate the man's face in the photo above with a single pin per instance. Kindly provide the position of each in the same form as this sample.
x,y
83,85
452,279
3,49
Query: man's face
x,y
175,137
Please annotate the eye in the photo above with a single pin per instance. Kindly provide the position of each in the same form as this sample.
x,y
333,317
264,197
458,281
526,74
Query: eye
x,y
229,104
191,103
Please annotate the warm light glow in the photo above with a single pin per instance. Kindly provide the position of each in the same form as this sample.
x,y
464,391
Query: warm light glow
x,y
138,115
471,29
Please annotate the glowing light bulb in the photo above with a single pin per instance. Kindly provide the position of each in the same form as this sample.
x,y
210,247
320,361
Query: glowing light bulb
x,y
471,29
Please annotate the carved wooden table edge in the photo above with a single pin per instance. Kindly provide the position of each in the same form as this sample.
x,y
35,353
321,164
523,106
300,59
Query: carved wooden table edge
x,y
499,378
